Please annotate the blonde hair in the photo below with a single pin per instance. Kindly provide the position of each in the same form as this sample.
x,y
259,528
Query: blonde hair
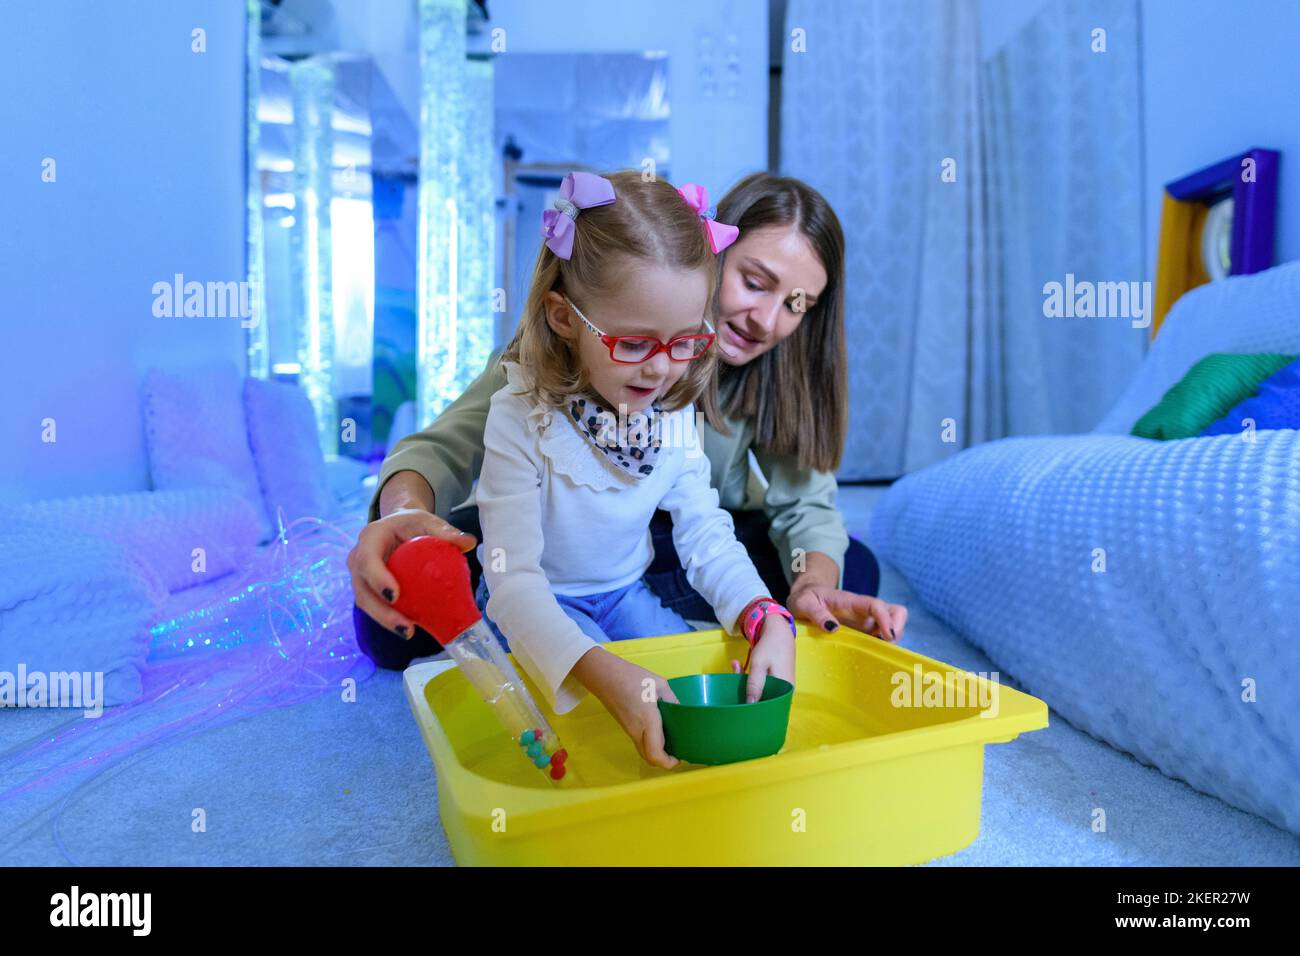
x,y
647,221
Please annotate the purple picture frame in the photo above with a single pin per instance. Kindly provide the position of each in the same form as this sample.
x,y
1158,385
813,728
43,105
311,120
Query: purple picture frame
x,y
1254,204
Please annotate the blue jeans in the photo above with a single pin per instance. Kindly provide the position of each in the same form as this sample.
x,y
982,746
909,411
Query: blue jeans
x,y
619,615
667,578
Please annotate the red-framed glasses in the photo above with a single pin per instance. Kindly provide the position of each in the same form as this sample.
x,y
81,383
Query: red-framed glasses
x,y
635,349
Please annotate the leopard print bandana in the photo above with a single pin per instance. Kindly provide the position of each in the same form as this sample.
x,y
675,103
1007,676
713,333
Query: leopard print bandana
x,y
636,449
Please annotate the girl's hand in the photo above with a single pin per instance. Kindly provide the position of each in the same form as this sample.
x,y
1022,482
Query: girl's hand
x,y
630,693
372,583
828,607
773,654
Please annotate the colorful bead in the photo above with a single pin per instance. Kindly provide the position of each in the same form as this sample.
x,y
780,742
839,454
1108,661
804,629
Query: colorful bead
x,y
560,756
526,738
542,760
534,750
557,771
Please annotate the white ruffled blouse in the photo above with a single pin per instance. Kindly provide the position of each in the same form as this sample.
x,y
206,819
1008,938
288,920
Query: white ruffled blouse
x,y
543,483
562,444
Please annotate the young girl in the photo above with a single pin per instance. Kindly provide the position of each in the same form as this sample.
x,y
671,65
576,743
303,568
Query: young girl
x,y
593,432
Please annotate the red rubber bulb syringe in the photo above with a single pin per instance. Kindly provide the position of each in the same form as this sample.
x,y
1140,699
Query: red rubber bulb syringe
x,y
433,580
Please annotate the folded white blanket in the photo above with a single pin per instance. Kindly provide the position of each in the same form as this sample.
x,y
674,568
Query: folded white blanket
x,y
74,602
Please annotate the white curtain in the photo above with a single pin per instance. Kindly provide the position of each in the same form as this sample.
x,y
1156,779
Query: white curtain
x,y
1064,147
963,186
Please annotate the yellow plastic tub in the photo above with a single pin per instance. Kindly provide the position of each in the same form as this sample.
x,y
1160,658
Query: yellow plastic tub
x,y
883,764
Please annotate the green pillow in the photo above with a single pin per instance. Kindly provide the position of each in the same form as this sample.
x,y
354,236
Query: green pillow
x,y
1210,389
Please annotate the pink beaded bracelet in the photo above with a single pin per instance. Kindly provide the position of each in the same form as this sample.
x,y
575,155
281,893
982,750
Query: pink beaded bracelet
x,y
754,615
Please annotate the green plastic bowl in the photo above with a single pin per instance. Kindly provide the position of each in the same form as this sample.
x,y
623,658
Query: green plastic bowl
x,y
712,724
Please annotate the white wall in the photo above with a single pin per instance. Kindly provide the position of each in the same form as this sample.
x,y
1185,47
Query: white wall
x,y
1218,79
149,143
715,141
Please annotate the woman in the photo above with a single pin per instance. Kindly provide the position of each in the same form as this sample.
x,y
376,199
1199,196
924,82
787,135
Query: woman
x,y
781,392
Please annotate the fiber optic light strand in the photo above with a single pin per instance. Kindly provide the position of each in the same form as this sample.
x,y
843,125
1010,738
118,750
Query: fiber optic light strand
x,y
283,635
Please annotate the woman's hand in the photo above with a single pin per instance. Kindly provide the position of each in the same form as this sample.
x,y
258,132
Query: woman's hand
x,y
773,654
828,607
630,694
374,586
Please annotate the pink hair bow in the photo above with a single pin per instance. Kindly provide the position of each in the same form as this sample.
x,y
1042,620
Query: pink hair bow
x,y
720,234
578,191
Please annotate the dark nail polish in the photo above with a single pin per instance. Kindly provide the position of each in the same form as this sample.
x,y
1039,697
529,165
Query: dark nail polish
x,y
830,625
401,629
892,634
388,595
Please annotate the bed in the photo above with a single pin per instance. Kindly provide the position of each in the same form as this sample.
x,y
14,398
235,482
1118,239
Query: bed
x,y
1146,590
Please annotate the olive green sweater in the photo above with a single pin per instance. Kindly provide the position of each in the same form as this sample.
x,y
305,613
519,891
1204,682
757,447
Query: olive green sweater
x,y
800,503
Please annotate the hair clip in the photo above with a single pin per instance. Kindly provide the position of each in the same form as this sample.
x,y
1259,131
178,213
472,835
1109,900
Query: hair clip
x,y
720,235
579,191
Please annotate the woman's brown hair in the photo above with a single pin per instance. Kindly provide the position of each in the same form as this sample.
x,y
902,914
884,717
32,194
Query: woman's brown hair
x,y
648,220
797,392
